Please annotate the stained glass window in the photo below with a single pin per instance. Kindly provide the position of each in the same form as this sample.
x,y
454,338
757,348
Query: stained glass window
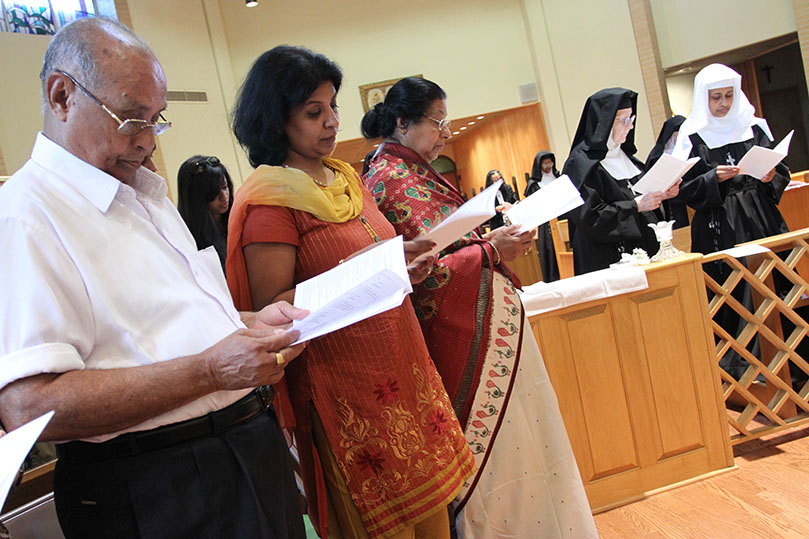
x,y
43,17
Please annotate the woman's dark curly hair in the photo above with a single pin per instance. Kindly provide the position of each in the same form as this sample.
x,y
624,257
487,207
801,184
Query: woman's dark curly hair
x,y
408,99
280,80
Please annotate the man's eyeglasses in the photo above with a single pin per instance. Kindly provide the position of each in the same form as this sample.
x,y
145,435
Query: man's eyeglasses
x,y
212,161
442,124
626,121
129,127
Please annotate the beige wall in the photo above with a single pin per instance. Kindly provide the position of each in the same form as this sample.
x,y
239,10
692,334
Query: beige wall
x,y
475,49
480,51
188,38
692,29
20,117
681,92
192,56
580,51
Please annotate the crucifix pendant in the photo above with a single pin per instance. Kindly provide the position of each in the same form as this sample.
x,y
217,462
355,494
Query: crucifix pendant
x,y
730,161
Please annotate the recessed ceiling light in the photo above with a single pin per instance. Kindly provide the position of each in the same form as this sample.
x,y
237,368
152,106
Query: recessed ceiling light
x,y
250,3
464,127
481,117
471,123
456,132
376,145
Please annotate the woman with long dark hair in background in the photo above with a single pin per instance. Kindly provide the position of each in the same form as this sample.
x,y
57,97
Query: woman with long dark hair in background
x,y
204,198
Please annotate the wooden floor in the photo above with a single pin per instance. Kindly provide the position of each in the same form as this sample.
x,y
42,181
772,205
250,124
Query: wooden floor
x,y
767,496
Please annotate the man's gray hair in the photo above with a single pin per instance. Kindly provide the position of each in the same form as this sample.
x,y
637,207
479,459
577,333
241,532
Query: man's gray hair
x,y
73,48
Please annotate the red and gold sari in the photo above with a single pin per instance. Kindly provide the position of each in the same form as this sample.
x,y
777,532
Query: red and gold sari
x,y
527,483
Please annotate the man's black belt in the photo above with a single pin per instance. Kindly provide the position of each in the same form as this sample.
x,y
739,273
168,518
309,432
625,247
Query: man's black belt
x,y
136,443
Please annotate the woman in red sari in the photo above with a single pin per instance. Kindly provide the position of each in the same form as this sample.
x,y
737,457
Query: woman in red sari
x,y
527,483
380,449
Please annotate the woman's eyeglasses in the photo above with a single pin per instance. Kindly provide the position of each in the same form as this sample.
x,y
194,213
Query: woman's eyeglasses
x,y
442,124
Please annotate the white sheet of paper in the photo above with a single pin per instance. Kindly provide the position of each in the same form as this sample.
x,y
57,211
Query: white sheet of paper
x,y
794,184
663,174
359,288
14,447
556,198
475,212
745,250
758,160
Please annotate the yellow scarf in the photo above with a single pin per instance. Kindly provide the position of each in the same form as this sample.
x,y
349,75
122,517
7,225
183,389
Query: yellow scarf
x,y
293,188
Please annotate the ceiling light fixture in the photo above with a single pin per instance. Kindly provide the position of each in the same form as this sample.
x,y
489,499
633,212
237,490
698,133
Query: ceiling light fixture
x,y
251,3
456,132
464,127
481,117
471,123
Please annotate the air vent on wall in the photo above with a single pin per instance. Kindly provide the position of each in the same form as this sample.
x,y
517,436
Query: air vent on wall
x,y
528,93
180,95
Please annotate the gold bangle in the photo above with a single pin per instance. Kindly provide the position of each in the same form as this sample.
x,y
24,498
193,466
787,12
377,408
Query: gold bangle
x,y
496,252
279,358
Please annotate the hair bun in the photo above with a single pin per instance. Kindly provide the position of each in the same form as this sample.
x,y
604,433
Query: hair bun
x,y
379,108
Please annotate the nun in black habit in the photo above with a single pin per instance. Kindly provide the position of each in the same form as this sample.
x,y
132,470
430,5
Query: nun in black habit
x,y
613,219
504,199
544,172
666,141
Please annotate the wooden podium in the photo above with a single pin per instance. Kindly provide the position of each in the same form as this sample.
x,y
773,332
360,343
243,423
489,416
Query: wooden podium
x,y
638,385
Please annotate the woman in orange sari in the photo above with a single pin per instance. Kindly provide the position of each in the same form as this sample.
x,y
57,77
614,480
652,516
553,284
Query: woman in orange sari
x,y
380,448
527,483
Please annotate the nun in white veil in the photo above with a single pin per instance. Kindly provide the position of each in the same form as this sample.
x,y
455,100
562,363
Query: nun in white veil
x,y
731,208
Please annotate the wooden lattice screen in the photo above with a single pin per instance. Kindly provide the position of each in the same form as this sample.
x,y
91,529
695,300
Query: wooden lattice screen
x,y
765,337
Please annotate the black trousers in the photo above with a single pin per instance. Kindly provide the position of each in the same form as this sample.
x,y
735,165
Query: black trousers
x,y
234,484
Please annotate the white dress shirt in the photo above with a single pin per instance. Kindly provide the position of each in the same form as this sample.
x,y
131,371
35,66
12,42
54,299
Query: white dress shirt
x,y
97,274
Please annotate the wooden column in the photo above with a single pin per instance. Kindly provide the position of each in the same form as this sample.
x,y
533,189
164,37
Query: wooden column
x,y
650,64
801,8
3,171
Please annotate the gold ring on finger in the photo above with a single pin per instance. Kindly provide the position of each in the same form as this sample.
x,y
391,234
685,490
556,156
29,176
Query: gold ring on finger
x,y
279,358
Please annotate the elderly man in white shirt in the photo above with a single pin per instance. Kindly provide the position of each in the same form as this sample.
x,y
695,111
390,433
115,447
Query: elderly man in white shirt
x,y
112,318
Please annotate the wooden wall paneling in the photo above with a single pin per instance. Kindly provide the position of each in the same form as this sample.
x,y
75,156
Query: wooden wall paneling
x,y
600,376
507,143
555,342
638,386
793,206
675,396
564,256
801,10
526,266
